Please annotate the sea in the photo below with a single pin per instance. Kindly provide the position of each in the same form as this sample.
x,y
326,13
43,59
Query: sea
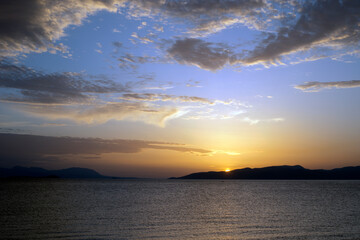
x,y
179,209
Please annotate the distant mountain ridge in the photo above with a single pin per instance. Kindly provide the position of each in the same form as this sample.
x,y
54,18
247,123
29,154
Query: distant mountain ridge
x,y
36,172
280,172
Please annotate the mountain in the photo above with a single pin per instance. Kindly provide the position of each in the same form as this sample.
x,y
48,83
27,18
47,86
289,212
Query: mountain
x,y
279,172
44,173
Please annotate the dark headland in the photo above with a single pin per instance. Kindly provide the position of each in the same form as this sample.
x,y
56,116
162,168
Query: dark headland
x,y
36,172
280,172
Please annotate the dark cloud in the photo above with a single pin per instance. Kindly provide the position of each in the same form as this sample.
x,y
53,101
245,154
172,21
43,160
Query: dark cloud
x,y
34,25
200,53
207,16
33,86
321,23
317,86
29,149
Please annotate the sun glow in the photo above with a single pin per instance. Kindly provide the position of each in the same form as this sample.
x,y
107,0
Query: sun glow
x,y
227,170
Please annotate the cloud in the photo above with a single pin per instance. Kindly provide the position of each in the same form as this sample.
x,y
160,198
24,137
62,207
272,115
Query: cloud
x,y
86,99
205,55
195,8
213,26
155,97
200,13
256,121
318,86
117,44
191,107
77,97
145,39
34,25
192,83
159,28
143,24
332,24
213,114
229,153
23,84
29,149
130,61
164,97
104,112
261,96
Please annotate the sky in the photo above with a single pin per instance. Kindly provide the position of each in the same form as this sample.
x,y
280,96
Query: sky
x,y
164,88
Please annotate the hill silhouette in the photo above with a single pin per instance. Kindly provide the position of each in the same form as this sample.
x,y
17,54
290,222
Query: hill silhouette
x,y
279,172
36,172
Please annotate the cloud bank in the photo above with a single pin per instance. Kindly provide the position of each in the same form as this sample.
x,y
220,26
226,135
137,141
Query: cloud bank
x,y
31,149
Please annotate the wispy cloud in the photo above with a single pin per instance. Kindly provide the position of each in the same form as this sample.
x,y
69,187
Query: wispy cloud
x,y
252,121
213,26
147,39
318,86
192,107
164,97
130,61
104,112
153,97
192,83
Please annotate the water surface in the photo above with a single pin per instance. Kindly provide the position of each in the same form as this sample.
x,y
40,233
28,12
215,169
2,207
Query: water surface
x,y
179,209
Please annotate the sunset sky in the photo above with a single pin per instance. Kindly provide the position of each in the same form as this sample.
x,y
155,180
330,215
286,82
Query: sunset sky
x,y
165,88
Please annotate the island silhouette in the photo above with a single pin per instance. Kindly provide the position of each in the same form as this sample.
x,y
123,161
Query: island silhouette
x,y
274,172
37,172
280,172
